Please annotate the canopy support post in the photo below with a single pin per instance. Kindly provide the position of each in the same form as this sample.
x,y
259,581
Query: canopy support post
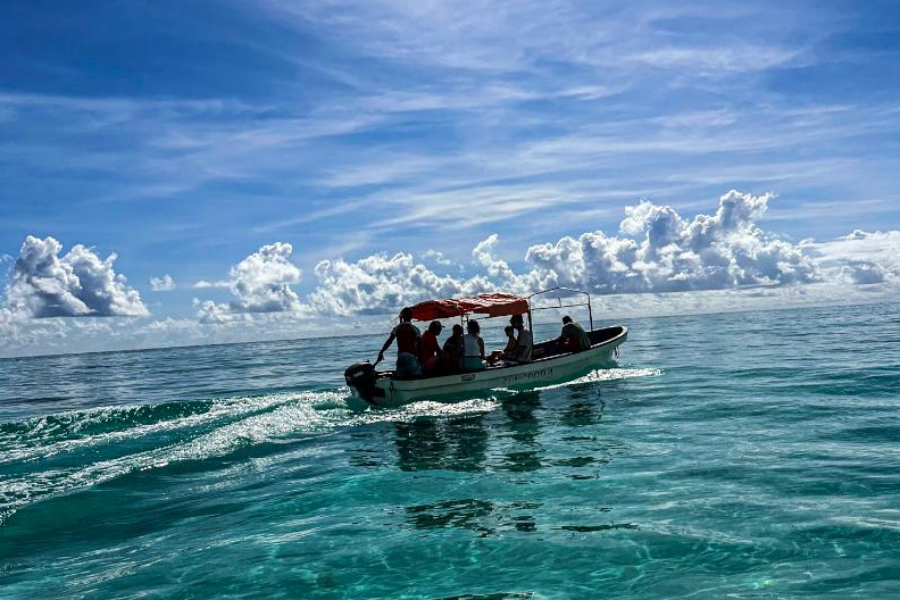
x,y
590,313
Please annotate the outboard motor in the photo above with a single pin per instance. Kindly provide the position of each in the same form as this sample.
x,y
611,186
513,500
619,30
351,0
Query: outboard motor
x,y
361,377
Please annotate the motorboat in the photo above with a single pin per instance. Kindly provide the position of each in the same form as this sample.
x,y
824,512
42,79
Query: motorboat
x,y
550,363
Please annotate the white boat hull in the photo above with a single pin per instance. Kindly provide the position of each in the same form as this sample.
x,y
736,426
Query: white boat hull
x,y
542,372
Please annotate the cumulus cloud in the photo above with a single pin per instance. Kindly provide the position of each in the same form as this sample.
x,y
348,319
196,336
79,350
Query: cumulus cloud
x,y
438,257
704,262
656,250
261,283
860,257
162,284
262,280
660,251
44,284
863,272
209,311
383,284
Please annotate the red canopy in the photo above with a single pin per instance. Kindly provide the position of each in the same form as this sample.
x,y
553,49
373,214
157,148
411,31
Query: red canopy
x,y
492,305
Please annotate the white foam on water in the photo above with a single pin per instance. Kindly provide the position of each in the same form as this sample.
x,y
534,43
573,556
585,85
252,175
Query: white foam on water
x,y
246,421
259,420
603,375
25,448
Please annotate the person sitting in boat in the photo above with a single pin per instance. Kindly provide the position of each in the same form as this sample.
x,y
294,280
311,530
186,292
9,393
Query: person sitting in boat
x,y
429,348
407,336
451,361
498,355
524,341
473,348
573,337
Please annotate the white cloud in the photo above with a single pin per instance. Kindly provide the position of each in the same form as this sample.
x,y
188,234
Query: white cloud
x,y
484,37
659,251
656,250
162,284
382,284
44,284
261,283
438,257
204,285
860,257
216,312
704,263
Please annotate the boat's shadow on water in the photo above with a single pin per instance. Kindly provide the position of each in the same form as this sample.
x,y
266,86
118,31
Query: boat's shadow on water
x,y
471,442
536,438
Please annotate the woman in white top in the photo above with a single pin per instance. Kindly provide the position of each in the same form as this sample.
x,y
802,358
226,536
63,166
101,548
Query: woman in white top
x,y
473,348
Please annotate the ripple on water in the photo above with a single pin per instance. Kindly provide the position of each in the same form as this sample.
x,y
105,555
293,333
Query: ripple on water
x,y
758,460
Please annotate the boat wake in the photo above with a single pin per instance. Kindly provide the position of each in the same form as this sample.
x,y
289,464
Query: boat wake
x,y
59,454
604,375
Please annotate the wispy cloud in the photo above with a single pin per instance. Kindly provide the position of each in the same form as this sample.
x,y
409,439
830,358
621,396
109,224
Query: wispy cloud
x,y
353,129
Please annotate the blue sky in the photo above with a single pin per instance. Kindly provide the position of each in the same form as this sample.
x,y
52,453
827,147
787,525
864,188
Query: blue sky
x,y
184,136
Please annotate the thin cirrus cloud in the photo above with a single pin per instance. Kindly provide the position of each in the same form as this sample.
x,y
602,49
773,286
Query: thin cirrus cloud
x,y
573,111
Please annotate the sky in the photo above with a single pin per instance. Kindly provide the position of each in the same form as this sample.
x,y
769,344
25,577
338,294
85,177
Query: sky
x,y
199,171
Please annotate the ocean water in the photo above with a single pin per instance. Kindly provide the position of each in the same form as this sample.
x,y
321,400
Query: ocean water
x,y
747,455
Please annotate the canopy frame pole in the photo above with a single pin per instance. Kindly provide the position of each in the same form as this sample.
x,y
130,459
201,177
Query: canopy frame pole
x,y
590,313
559,301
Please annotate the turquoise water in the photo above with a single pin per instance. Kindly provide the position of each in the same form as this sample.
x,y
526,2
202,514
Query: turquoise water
x,y
752,455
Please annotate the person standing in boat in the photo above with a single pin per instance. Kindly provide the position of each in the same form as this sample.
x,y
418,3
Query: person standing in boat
x,y
522,351
473,347
573,337
408,337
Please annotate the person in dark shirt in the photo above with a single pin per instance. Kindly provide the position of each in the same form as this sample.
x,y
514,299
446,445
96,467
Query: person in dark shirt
x,y
498,355
453,350
573,337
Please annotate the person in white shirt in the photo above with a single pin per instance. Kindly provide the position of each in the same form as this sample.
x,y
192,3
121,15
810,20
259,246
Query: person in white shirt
x,y
473,348
524,341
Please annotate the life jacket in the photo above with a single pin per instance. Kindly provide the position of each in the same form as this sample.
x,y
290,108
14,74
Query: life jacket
x,y
407,338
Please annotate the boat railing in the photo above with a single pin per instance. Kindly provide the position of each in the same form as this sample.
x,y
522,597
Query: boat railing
x,y
560,304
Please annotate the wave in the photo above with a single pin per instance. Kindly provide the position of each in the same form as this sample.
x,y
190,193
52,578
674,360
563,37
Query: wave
x,y
50,456
605,375
114,442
